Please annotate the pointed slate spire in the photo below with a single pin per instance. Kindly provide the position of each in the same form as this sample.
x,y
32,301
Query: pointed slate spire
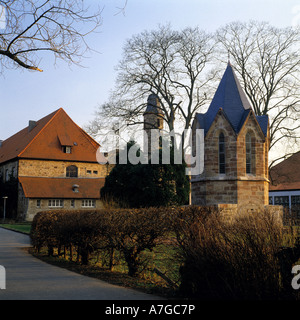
x,y
231,98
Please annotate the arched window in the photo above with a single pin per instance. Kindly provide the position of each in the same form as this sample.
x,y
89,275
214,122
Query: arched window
x,y
72,172
250,154
221,153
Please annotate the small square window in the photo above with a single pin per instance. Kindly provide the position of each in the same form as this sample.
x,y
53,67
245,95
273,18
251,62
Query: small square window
x,y
67,149
89,171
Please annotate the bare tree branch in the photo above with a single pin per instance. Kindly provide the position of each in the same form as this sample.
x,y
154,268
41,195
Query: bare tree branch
x,y
36,26
268,62
172,64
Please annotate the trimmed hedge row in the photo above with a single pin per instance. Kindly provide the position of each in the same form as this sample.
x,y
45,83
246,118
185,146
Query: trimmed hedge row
x,y
130,231
242,259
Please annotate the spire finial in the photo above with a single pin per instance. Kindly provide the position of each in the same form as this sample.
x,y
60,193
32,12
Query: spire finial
x,y
228,53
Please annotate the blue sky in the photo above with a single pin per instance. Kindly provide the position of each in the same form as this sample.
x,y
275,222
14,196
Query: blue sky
x,y
31,95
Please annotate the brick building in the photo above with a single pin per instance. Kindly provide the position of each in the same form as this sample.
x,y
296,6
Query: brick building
x,y
236,143
55,164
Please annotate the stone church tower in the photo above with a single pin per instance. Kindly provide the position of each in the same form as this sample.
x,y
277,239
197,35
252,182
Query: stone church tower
x,y
153,119
236,144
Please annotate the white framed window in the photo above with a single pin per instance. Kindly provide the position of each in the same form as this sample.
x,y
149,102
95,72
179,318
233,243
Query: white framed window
x,y
56,203
88,203
38,203
72,203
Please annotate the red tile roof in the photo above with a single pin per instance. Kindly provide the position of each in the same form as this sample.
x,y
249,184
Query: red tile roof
x,y
286,174
46,139
61,188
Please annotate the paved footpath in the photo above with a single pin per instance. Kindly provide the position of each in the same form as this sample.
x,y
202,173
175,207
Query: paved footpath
x,y
28,278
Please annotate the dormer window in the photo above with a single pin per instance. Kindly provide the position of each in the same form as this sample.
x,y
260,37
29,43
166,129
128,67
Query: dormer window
x,y
67,149
66,143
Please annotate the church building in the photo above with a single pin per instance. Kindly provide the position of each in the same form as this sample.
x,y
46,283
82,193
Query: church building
x,y
236,144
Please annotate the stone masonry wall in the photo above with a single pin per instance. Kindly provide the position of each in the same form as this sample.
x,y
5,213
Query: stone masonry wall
x,y
48,168
235,186
11,168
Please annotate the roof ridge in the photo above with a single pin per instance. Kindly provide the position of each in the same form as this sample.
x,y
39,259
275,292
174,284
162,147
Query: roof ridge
x,y
87,136
38,133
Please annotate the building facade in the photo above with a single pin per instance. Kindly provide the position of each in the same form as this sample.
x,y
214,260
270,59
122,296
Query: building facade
x,y
236,143
285,183
55,165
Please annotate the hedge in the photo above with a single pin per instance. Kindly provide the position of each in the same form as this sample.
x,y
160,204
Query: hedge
x,y
130,231
242,259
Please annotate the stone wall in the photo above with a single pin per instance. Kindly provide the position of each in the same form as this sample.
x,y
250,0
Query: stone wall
x,y
230,211
260,152
235,186
11,168
48,168
211,192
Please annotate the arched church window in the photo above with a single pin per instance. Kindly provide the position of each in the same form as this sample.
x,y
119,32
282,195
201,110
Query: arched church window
x,y
221,153
249,154
72,172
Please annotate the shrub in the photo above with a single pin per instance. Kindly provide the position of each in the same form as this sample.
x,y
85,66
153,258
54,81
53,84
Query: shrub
x,y
242,259
44,231
130,231
223,260
58,228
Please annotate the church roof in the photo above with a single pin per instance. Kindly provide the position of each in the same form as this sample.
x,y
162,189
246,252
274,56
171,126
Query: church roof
x,y
152,104
231,98
44,139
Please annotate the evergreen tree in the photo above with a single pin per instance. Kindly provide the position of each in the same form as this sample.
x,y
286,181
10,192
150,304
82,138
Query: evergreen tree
x,y
147,185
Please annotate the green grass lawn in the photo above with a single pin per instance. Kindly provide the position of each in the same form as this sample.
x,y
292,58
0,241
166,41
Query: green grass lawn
x,y
22,227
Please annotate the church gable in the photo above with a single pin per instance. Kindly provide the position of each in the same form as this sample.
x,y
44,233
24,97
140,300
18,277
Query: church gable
x,y
252,143
220,122
251,123
218,162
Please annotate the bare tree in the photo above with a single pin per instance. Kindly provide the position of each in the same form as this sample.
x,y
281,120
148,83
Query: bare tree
x,y
172,64
35,26
268,62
